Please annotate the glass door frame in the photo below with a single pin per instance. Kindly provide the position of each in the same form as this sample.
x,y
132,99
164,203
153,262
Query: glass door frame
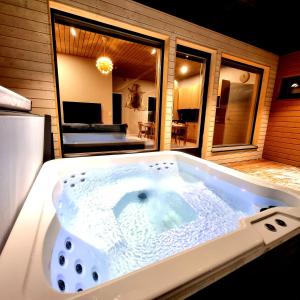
x,y
230,62
61,17
206,58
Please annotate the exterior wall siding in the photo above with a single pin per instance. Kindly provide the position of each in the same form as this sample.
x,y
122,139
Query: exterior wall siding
x,y
26,59
283,133
26,64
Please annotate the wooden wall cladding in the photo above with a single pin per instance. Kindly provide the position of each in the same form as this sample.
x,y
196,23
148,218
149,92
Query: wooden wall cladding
x,y
26,56
282,142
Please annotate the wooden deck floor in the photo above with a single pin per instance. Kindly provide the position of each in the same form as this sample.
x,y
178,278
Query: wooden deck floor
x,y
284,175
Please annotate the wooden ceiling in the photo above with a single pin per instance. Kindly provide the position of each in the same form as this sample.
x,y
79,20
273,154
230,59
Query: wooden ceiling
x,y
131,60
194,68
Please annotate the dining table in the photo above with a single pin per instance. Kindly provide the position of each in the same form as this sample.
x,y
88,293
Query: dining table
x,y
179,131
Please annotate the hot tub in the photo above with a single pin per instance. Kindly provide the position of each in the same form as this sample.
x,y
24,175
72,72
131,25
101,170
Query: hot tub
x,y
140,226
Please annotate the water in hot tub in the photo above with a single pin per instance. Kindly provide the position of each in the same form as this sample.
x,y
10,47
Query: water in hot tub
x,y
118,220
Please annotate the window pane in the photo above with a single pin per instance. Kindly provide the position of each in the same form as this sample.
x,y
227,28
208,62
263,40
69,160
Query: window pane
x,y
236,105
290,88
188,90
107,104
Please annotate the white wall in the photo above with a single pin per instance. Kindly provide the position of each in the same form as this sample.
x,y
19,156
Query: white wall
x,y
232,74
79,80
130,116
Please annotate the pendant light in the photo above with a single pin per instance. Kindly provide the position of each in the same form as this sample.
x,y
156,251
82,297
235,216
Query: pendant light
x,y
104,64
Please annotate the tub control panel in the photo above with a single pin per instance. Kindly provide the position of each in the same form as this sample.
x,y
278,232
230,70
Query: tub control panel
x,y
276,226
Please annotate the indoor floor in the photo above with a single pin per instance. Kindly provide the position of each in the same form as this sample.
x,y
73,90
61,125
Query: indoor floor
x,y
181,144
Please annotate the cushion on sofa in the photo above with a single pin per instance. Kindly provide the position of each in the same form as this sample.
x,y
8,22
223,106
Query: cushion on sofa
x,y
108,128
81,127
75,127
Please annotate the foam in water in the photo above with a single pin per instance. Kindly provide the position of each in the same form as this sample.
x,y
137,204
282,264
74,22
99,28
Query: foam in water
x,y
138,214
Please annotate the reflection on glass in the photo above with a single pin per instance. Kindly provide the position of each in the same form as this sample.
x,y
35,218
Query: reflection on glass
x,y
109,91
188,89
236,105
290,88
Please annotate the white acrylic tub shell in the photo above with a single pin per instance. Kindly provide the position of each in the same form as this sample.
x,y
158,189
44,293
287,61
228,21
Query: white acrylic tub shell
x,y
25,260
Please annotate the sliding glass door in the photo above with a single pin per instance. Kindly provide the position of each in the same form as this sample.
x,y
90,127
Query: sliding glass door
x,y
238,95
189,104
108,83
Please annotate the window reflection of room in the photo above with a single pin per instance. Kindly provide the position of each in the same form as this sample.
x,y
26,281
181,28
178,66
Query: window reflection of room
x,y
188,86
237,101
113,77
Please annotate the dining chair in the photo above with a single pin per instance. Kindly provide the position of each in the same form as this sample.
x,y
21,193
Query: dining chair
x,y
150,130
142,130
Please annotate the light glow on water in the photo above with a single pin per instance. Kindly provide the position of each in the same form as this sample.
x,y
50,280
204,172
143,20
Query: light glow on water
x,y
134,215
145,218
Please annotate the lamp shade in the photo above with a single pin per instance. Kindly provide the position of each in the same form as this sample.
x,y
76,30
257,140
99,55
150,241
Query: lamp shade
x,y
104,64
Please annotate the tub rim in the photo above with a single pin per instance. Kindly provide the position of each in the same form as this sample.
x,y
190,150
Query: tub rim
x,y
39,214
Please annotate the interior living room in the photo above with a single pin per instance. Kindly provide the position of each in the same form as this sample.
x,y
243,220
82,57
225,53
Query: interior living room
x,y
107,105
236,104
188,91
149,150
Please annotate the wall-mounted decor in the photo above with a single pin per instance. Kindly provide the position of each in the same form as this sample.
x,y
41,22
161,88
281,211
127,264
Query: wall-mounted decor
x,y
290,88
244,77
135,98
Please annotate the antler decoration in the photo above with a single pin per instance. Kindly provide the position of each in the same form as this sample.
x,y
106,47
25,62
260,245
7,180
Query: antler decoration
x,y
135,97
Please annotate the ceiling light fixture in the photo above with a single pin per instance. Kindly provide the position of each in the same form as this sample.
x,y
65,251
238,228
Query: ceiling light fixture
x,y
294,85
184,69
104,64
153,51
73,31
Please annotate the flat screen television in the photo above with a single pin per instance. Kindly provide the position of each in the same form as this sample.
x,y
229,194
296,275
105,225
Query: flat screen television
x,y
82,112
188,115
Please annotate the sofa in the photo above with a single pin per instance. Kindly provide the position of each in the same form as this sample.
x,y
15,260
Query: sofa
x,y
97,138
82,127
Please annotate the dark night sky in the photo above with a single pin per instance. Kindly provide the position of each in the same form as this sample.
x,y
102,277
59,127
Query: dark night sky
x,y
271,25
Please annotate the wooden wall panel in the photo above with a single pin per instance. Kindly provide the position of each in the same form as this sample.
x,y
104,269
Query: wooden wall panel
x,y
26,64
283,134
